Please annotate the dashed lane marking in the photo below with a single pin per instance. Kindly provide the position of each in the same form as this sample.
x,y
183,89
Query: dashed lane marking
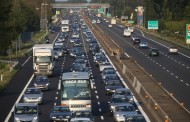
x,y
97,97
102,118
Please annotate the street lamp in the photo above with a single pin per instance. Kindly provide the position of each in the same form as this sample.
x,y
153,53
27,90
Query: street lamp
x,y
43,20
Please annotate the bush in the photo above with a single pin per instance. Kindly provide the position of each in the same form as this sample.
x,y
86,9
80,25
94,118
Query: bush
x,y
2,65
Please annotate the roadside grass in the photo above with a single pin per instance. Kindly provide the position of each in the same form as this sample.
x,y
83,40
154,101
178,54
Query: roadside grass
x,y
24,51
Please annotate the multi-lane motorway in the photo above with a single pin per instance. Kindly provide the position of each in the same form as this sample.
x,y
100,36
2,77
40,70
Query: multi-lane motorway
x,y
172,70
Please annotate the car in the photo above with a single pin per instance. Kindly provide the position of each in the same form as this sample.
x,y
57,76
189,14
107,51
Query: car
x,y
58,43
80,61
98,21
110,26
72,39
81,120
172,50
61,39
58,49
143,44
110,78
123,109
111,86
60,113
107,21
26,112
154,52
82,114
108,72
124,92
127,33
33,95
105,65
77,43
136,40
115,101
75,35
41,82
65,50
130,28
134,118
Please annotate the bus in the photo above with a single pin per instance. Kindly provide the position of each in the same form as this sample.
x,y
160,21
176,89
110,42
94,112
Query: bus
x,y
75,90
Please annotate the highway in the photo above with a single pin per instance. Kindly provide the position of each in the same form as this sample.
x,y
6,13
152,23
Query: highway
x,y
24,78
170,70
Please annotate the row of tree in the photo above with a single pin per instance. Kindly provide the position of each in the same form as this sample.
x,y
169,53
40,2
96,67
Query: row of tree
x,y
17,16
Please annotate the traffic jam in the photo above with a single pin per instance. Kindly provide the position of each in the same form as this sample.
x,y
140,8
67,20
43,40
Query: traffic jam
x,y
110,98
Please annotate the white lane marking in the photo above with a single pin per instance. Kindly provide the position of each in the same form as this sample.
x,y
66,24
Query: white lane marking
x,y
187,67
140,31
187,84
98,103
57,92
164,68
55,98
10,113
102,118
100,110
97,97
181,80
96,92
172,73
176,77
59,85
55,104
167,70
26,61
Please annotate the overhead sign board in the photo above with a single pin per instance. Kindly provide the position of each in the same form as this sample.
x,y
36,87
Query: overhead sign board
x,y
187,33
152,24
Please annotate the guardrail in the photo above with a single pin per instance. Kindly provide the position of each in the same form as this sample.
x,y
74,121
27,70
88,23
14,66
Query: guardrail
x,y
161,103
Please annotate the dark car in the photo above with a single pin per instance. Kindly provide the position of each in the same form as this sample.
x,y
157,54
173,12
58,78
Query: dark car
x,y
154,52
65,50
110,78
136,41
41,82
83,114
60,113
111,86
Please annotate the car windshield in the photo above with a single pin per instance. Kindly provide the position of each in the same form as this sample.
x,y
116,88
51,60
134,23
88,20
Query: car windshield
x,y
119,100
110,72
60,109
41,79
114,83
26,110
135,119
123,92
43,59
32,91
111,78
125,108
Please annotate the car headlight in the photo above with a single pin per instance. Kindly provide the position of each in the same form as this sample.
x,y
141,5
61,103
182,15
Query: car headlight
x,y
67,117
107,89
35,118
53,117
117,115
112,107
35,85
17,119
47,84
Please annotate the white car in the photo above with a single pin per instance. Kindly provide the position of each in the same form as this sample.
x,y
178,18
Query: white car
x,y
173,50
81,120
127,32
98,21
110,25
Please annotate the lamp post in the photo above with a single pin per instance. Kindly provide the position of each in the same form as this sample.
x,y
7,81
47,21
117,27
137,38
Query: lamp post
x,y
43,16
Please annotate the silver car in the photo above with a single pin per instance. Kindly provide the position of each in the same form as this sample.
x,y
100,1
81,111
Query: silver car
x,y
33,95
123,109
108,72
26,112
41,82
115,101
124,92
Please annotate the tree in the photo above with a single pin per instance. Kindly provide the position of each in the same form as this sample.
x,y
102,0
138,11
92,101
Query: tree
x,y
5,40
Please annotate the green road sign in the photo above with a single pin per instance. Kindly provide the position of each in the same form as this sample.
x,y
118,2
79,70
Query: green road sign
x,y
101,10
188,33
152,24
130,21
108,15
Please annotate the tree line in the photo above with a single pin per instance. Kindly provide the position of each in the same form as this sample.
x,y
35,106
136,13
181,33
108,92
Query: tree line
x,y
17,16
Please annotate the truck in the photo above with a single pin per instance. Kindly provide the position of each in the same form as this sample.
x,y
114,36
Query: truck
x,y
65,25
113,21
43,59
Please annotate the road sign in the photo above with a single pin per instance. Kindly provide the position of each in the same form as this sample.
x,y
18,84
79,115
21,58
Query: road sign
x,y
152,24
130,21
187,33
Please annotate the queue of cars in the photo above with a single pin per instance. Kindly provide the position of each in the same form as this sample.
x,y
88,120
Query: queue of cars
x,y
121,104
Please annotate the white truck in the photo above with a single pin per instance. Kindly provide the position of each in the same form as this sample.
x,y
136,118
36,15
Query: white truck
x,y
43,59
113,21
65,25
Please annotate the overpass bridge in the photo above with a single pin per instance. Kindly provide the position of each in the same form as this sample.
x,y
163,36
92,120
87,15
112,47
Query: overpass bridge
x,y
80,5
